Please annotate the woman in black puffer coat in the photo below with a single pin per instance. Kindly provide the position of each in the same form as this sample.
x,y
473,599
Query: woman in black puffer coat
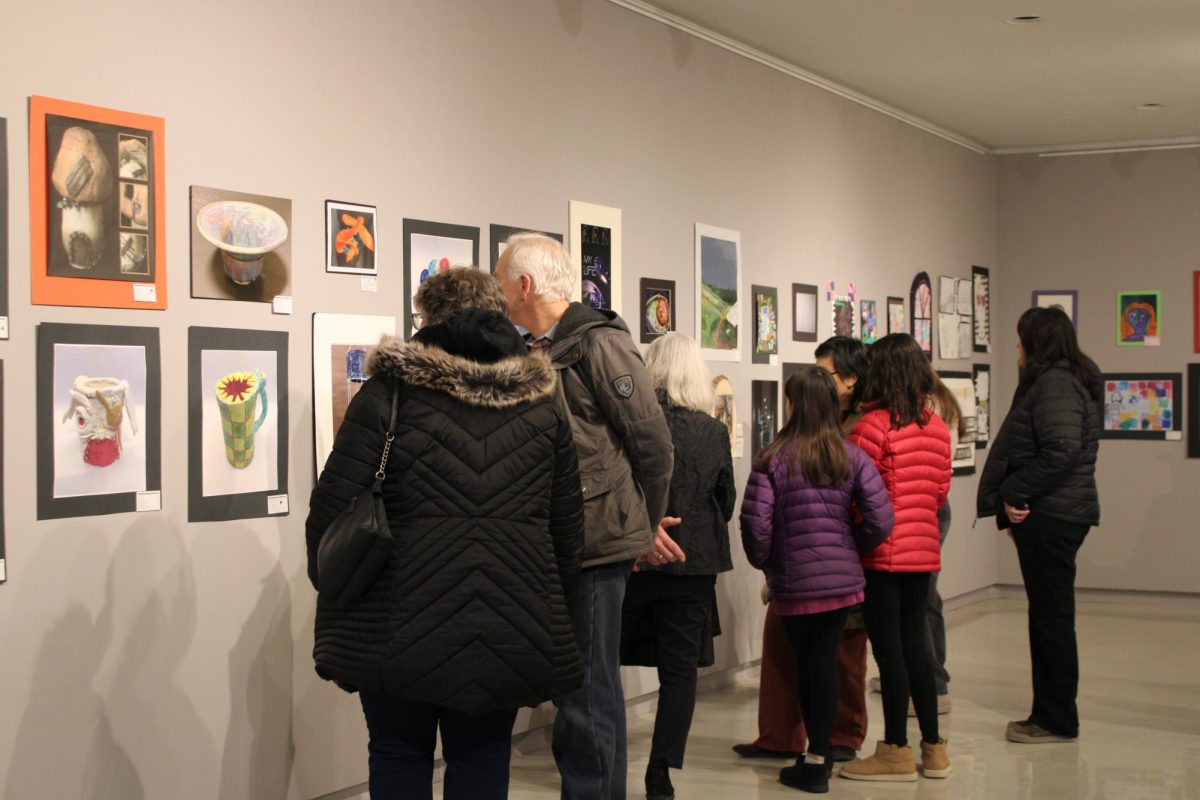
x,y
1040,479
470,618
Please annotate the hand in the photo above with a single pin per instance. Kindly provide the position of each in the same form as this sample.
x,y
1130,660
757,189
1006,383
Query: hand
x,y
665,549
1016,515
765,594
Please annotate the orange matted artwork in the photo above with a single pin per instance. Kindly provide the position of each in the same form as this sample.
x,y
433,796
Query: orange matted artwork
x,y
97,205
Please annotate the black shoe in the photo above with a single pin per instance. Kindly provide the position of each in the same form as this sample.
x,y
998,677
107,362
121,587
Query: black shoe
x,y
812,778
658,784
754,751
840,753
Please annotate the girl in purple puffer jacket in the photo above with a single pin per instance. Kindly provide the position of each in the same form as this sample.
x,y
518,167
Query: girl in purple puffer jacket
x,y
814,502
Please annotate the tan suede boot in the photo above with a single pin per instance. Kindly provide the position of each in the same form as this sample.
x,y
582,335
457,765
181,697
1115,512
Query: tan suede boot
x,y
935,761
890,763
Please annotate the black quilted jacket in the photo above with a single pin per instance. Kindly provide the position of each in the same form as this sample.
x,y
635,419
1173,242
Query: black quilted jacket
x,y
1045,453
482,491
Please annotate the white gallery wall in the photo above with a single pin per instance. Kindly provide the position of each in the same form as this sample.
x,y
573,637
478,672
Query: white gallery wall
x,y
145,657
1102,224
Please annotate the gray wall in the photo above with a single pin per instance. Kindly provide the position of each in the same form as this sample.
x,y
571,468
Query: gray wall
x,y
1103,224
146,657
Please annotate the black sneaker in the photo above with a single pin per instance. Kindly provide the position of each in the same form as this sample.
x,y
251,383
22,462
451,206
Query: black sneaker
x,y
813,778
841,753
658,784
754,751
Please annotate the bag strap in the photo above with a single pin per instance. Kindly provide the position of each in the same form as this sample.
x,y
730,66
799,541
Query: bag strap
x,y
391,435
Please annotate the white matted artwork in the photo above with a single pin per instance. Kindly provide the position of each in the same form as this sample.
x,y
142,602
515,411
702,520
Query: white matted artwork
x,y
947,294
718,292
347,338
594,239
261,474
962,386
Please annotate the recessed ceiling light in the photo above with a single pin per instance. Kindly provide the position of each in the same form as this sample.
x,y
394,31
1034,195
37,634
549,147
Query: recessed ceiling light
x,y
1024,19
1150,106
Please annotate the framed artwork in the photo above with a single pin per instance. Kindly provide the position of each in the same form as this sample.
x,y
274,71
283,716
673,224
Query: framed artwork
x,y
1193,394
430,248
725,407
594,235
342,345
3,251
1066,299
764,395
1139,319
1142,405
1195,311
237,423
981,281
897,319
947,295
718,291
956,308
790,368
962,386
98,419
351,238
241,245
97,207
766,323
804,312
920,300
498,235
844,316
869,321
981,374
657,304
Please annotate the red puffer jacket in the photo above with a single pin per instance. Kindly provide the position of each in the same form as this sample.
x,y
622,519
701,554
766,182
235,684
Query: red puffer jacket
x,y
914,462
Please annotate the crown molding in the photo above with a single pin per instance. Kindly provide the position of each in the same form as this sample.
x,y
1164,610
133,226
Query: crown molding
x,y
1101,148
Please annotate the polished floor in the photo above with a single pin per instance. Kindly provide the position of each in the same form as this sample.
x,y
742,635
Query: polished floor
x,y
1139,706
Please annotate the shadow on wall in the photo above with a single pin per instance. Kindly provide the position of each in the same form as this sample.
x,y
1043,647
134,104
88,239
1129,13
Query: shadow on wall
x,y
570,14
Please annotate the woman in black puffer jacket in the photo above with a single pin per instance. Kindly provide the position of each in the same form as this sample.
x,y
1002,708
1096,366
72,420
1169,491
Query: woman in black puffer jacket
x,y
1040,479
470,618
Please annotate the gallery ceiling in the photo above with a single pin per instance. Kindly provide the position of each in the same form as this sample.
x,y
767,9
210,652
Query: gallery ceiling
x,y
1075,77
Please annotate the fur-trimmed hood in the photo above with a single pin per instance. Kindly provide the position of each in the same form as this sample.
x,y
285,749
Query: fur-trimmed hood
x,y
511,381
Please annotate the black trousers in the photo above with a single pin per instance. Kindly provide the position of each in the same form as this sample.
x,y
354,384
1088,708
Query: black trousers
x,y
896,624
679,606
1047,548
815,639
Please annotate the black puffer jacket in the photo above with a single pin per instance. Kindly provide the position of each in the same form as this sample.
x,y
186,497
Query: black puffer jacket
x,y
1045,453
482,492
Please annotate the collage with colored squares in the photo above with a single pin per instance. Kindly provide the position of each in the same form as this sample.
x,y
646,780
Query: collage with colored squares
x,y
1139,405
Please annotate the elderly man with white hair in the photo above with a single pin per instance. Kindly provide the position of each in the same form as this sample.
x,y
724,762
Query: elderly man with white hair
x,y
625,461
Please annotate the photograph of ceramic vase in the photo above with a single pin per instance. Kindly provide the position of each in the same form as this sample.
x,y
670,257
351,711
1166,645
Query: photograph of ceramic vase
x,y
83,178
244,232
237,394
98,406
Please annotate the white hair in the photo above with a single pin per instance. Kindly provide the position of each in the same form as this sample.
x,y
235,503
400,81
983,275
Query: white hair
x,y
545,261
675,365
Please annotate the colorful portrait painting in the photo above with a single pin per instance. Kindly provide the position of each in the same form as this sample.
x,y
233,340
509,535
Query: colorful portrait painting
x,y
1138,319
869,313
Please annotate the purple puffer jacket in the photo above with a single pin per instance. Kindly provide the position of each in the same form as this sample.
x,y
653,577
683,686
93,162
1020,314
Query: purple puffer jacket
x,y
803,536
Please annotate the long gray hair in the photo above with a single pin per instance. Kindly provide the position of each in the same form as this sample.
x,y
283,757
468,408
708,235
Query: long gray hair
x,y
675,366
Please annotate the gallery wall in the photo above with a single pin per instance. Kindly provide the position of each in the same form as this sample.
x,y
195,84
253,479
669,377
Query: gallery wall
x,y
146,656
1101,224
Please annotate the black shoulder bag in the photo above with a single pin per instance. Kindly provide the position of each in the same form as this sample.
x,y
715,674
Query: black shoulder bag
x,y
356,545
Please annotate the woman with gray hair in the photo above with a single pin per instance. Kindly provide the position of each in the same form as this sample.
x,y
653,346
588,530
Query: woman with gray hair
x,y
470,617
670,614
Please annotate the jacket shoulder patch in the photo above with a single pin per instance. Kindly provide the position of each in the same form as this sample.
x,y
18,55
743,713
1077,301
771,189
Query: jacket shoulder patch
x,y
624,386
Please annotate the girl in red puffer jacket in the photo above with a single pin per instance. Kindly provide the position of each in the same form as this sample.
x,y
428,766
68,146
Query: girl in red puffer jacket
x,y
911,448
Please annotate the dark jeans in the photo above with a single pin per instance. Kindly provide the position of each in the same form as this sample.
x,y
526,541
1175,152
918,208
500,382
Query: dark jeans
x,y
1046,549
815,639
679,607
402,739
933,614
895,612
589,730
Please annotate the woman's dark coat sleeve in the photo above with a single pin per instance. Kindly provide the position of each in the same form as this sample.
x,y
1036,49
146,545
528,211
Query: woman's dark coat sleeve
x,y
566,514
1058,418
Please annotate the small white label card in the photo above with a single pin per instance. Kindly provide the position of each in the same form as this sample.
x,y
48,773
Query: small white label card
x,y
3,571
3,327
281,304
369,283
739,441
149,501
1152,341
145,293
277,504
1174,436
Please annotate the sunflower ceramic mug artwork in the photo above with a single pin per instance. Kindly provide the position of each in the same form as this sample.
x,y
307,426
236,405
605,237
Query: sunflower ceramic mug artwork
x,y
98,406
237,394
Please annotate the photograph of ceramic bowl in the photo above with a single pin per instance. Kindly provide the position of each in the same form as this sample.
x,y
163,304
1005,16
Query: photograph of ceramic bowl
x,y
244,232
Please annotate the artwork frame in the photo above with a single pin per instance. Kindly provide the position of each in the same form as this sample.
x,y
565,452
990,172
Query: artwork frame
x,y
3,256
725,407
1196,311
1116,382
843,316
1149,302
764,423
897,319
868,322
804,312
655,295
981,284
437,237
357,249
205,417
498,235
981,377
586,224
120,283
135,345
1193,410
1066,299
718,260
765,338
920,303
251,274
962,386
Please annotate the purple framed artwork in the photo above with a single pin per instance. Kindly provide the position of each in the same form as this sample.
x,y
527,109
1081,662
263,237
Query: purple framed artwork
x,y
1066,299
